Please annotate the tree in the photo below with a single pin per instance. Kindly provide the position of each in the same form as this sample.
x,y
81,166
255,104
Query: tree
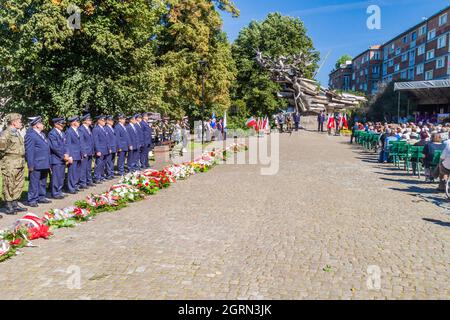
x,y
343,60
50,69
383,106
193,32
276,36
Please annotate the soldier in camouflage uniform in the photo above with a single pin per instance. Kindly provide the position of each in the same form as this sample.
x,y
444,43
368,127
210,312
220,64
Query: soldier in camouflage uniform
x,y
12,163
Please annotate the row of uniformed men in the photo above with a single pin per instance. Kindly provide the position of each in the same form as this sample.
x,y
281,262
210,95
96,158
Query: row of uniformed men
x,y
127,141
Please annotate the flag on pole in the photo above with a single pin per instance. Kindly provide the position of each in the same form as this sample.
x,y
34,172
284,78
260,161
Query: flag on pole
x,y
331,124
341,121
225,120
345,122
251,123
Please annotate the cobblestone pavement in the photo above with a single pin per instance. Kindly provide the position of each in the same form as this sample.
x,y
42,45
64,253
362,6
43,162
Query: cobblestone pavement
x,y
319,229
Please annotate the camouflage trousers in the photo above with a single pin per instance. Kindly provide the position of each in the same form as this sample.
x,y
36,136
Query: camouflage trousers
x,y
13,182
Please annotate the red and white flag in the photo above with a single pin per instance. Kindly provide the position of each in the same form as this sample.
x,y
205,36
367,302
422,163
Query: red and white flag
x,y
331,124
345,122
251,123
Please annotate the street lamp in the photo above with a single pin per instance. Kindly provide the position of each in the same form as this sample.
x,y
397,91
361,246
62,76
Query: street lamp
x,y
202,65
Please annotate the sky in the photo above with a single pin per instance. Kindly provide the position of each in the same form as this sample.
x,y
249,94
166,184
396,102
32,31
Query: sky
x,y
337,27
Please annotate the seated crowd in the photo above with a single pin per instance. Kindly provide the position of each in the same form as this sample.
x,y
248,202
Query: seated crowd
x,y
430,136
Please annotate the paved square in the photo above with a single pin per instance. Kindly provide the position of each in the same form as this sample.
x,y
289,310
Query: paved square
x,y
322,228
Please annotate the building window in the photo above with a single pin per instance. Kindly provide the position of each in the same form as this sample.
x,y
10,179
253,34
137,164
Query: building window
x,y
361,73
398,51
431,34
442,42
429,75
419,69
422,30
421,50
440,62
404,57
443,19
376,55
411,74
405,39
384,69
397,68
414,36
391,63
375,69
403,75
430,54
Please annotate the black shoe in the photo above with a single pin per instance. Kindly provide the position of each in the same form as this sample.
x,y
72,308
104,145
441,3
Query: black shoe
x,y
18,208
9,208
90,185
71,192
58,197
45,200
32,204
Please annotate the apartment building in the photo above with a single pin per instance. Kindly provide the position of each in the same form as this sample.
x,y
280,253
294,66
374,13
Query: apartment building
x,y
341,78
420,53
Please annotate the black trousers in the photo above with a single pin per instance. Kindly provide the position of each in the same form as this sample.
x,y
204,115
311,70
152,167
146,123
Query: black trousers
x,y
320,128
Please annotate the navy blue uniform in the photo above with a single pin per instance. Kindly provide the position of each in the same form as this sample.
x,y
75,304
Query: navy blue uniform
x,y
73,149
100,145
112,145
37,154
87,151
133,155
56,141
147,130
123,146
140,153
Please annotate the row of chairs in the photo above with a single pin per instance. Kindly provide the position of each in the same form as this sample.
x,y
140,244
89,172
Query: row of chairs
x,y
368,140
401,152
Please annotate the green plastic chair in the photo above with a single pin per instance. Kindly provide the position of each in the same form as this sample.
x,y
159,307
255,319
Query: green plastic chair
x,y
394,151
416,157
436,160
404,153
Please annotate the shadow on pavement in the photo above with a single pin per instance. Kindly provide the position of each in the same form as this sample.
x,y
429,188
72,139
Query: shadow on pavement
x,y
438,222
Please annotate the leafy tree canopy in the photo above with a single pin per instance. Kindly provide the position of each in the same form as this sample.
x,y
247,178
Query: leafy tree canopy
x,y
276,36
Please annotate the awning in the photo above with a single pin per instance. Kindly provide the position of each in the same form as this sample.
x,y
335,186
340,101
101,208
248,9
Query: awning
x,y
426,92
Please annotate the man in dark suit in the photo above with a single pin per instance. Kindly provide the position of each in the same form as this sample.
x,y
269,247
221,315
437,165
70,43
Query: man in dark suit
x,y
147,140
73,149
140,135
58,157
124,145
133,154
112,144
87,151
101,148
297,120
37,155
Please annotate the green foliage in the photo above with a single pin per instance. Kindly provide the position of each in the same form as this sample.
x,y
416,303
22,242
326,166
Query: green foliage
x,y
193,32
50,69
343,60
277,35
